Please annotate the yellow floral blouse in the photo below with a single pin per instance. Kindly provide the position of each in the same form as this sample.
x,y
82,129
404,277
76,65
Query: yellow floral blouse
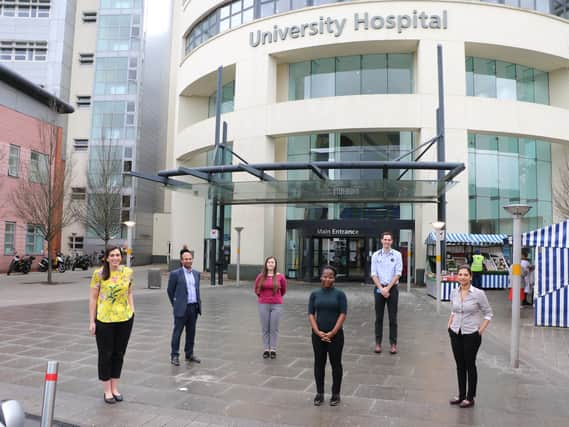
x,y
112,305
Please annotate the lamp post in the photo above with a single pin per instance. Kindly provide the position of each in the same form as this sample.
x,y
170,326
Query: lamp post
x,y
237,273
517,211
129,226
439,227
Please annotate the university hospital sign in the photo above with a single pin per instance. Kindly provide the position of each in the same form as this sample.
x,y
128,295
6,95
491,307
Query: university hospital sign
x,y
360,22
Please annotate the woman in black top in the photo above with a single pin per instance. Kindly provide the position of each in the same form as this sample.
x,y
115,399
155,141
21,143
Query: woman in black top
x,y
327,308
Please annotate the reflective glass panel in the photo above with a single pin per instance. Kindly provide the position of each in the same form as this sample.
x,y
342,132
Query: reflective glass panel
x,y
485,78
322,78
348,75
505,80
374,74
399,73
525,83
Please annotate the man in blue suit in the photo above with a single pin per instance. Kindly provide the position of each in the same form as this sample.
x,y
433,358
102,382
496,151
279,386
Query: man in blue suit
x,y
184,294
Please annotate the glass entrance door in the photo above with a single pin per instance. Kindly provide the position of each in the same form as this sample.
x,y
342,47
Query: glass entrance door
x,y
346,255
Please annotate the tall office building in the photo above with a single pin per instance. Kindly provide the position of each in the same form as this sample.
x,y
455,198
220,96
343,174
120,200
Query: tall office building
x,y
320,80
120,58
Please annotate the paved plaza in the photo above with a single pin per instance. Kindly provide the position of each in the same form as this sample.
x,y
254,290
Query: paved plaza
x,y
234,386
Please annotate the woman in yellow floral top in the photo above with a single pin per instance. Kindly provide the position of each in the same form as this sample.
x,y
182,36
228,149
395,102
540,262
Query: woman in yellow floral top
x,y
111,315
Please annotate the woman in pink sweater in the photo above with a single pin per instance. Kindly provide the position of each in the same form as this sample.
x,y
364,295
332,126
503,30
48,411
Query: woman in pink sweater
x,y
270,287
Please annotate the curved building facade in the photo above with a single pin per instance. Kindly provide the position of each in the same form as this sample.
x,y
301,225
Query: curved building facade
x,y
357,80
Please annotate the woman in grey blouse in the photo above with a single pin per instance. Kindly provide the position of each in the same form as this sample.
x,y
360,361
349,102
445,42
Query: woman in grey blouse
x,y
470,316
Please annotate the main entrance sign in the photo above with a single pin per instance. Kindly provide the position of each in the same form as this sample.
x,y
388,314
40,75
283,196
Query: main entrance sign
x,y
360,22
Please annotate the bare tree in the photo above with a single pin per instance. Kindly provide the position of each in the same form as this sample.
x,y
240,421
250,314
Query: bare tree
x,y
561,191
101,213
42,200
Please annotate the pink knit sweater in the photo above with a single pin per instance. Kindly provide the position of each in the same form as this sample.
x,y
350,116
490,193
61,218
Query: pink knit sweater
x,y
265,293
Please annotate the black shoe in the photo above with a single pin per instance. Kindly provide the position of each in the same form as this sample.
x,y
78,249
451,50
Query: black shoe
x,y
175,360
118,397
318,399
266,354
466,403
193,359
109,400
273,354
335,400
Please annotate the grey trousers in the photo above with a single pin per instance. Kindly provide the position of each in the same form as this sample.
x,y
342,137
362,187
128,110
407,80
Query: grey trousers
x,y
270,315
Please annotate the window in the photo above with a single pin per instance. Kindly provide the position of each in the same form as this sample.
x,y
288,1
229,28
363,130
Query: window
x,y
80,144
113,76
34,239
39,167
504,170
25,8
113,120
86,58
120,4
115,32
89,17
490,78
127,166
227,99
12,50
125,215
14,161
126,202
9,238
351,75
78,193
75,242
83,101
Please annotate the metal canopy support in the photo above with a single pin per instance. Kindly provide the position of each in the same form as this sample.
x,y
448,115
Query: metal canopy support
x,y
318,172
212,252
256,172
192,172
441,206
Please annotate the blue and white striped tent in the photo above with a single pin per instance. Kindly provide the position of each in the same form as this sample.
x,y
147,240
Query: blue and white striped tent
x,y
466,239
551,287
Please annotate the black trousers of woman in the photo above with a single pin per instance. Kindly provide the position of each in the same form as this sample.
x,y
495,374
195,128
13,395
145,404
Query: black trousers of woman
x,y
322,350
112,339
465,347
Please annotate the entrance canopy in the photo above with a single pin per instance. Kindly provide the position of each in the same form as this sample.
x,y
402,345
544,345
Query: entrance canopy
x,y
388,182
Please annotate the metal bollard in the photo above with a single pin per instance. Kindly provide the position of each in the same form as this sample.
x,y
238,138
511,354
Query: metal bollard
x,y
49,393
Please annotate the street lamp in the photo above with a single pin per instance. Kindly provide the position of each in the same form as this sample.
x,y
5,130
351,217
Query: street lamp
x,y
129,225
237,273
439,227
517,211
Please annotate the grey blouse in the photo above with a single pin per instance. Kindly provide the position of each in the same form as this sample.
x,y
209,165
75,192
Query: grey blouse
x,y
468,314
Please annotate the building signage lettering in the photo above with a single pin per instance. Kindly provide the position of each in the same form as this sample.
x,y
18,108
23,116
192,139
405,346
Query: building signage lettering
x,y
361,22
343,232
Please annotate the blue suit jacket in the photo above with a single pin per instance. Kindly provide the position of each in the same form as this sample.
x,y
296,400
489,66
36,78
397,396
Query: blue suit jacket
x,y
178,292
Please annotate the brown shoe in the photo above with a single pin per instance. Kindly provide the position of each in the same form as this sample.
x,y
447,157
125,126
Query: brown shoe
x,y
455,401
377,348
393,349
466,403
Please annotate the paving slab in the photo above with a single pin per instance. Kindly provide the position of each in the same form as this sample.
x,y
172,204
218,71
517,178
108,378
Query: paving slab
x,y
234,386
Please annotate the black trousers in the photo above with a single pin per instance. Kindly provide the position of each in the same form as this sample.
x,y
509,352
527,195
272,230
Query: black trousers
x,y
112,339
188,321
477,279
391,302
321,351
465,347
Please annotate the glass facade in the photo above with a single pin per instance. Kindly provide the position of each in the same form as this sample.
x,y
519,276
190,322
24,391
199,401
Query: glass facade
x,y
118,33
233,14
351,75
113,77
490,78
227,98
350,146
113,120
504,170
